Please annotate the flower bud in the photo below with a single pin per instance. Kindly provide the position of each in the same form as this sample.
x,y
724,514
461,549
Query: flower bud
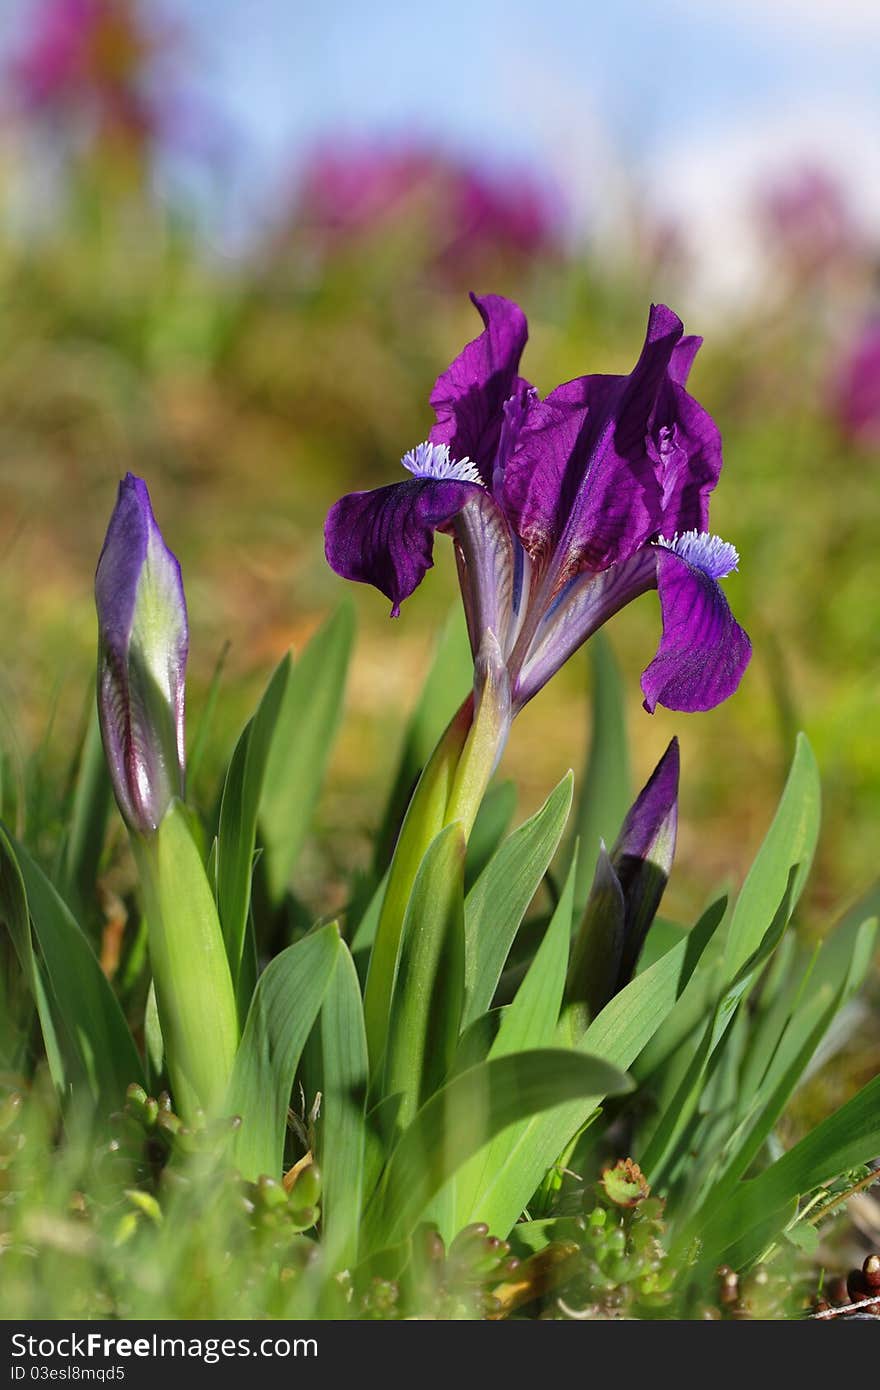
x,y
142,650
625,895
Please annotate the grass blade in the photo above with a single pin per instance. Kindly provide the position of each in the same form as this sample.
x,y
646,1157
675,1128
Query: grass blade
x,y
283,1010
497,903
301,745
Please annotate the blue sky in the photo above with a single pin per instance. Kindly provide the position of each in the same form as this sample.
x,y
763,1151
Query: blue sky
x,y
668,92
504,75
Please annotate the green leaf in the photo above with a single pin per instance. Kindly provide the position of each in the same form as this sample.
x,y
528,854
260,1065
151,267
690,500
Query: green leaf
x,y
789,844
497,903
528,1022
87,823
468,1112
428,990
341,1148
760,1207
194,989
301,745
14,915
237,832
821,999
493,821
617,1035
673,1121
449,678
91,1028
284,1007
606,791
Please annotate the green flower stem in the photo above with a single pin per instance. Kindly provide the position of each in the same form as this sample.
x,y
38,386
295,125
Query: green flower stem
x,y
194,991
451,788
425,818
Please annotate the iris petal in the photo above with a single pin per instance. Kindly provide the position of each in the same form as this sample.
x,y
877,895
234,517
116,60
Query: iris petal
x,y
468,398
583,482
703,651
386,537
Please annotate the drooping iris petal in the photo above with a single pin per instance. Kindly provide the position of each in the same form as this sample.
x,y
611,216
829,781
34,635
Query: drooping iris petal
x,y
583,482
142,651
703,651
468,398
386,537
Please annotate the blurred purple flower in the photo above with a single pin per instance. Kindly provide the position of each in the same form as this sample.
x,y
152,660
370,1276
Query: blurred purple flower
x,y
855,390
807,217
92,58
466,210
143,640
562,511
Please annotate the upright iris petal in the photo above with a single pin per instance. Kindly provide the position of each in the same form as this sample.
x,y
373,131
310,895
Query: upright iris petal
x,y
583,485
469,397
142,651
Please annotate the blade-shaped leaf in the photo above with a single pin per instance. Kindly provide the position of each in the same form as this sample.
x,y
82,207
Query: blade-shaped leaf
x,y
237,832
284,1007
87,823
804,1032
617,1035
490,827
606,789
673,1121
91,1023
301,745
468,1112
15,917
528,1022
344,1074
426,1001
789,844
497,903
743,1224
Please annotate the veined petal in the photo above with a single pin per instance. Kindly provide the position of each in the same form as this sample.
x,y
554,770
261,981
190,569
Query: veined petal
x,y
683,358
386,537
583,482
686,444
468,398
492,570
703,651
142,649
586,602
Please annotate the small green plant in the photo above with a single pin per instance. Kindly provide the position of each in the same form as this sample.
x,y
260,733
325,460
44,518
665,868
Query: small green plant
x,y
500,1084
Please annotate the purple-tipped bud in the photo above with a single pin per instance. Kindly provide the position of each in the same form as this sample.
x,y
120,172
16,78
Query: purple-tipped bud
x,y
142,649
626,892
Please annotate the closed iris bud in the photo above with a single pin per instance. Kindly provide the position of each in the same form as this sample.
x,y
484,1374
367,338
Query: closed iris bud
x,y
142,651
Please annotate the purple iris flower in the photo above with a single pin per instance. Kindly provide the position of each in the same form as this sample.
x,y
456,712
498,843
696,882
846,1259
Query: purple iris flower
x,y
562,511
142,649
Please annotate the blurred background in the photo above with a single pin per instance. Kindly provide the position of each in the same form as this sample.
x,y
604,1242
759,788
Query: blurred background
x,y
236,242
